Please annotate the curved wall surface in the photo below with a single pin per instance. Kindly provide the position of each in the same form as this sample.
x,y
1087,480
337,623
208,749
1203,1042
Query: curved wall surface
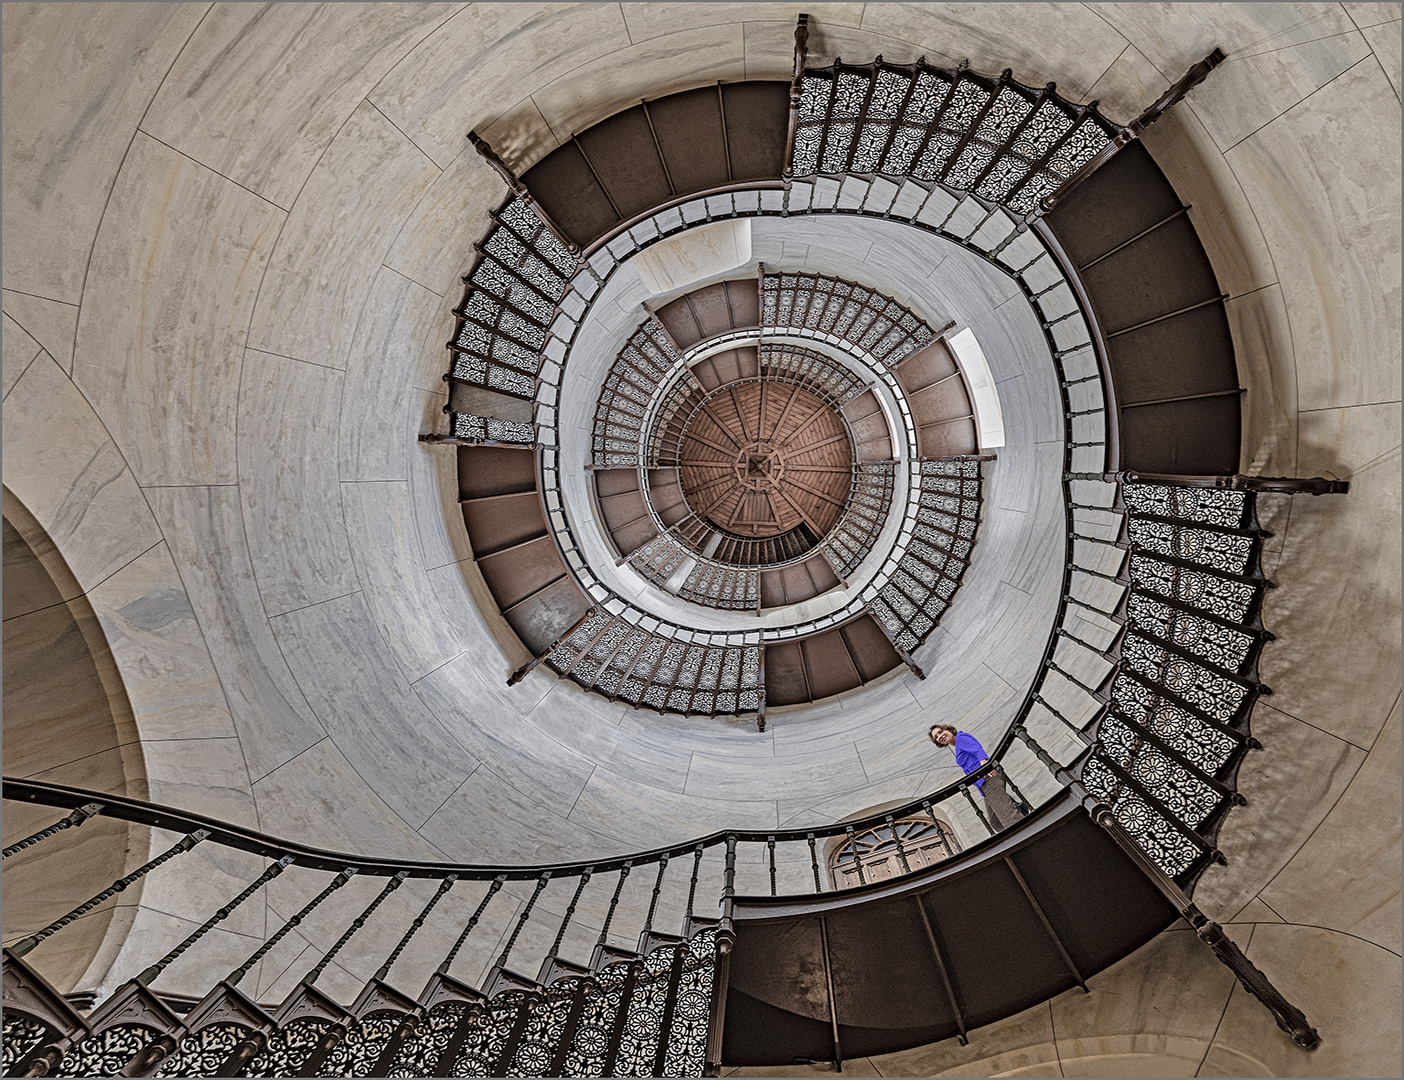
x,y
233,235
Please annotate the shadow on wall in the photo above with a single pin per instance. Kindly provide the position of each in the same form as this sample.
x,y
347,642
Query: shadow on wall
x,y
67,721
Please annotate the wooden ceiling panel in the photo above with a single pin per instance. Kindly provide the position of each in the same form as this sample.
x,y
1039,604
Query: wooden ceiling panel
x,y
759,459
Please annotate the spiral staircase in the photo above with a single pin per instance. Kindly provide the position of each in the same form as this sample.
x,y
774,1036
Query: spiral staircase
x,y
1163,547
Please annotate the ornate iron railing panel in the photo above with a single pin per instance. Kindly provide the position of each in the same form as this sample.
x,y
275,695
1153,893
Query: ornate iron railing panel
x,y
997,138
911,604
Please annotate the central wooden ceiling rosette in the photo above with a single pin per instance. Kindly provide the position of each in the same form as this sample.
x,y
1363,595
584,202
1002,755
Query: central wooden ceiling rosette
x,y
760,459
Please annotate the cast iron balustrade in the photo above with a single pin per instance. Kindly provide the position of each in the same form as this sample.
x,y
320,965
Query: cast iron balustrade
x,y
1146,686
1158,725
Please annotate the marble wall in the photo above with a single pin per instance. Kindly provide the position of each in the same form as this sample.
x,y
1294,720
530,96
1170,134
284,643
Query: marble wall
x,y
233,236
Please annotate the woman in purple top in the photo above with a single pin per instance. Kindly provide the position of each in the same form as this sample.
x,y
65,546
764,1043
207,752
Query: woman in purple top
x,y
971,755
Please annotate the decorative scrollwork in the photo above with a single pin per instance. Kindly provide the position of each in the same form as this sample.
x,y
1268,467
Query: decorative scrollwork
x,y
23,1035
1194,683
692,1009
357,1054
1179,792
488,1033
204,1052
288,1048
643,1025
1207,506
1171,850
1222,646
108,1052
590,1045
419,1056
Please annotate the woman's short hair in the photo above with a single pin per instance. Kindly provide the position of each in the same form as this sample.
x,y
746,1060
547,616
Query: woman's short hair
x,y
941,727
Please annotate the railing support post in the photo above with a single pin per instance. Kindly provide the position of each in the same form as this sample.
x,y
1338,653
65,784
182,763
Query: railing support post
x,y
519,189
801,54
1288,1017
147,976
1191,78
526,669
20,948
1273,485
235,976
78,816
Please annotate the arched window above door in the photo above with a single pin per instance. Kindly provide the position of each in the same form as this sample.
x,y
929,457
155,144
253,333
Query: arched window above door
x,y
923,841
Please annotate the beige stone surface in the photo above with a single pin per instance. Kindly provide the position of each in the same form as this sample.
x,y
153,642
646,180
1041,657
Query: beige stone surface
x,y
1277,55
1335,241
1021,1042
1282,812
61,464
1346,876
1319,971
77,82
319,276
435,244
421,633
389,359
508,51
1384,43
1261,332
1172,989
1330,623
261,91
52,323
291,500
204,531
20,350
175,271
648,68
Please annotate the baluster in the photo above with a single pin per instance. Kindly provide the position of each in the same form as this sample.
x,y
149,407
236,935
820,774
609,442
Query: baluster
x,y
1061,318
657,887
1078,732
444,886
729,875
78,816
901,848
613,904
1103,540
958,204
965,790
770,848
20,948
1072,679
998,250
814,862
570,910
692,886
521,919
1060,773
940,829
1101,653
858,862
390,886
1009,783
342,877
497,883
1112,615
994,208
1029,266
274,869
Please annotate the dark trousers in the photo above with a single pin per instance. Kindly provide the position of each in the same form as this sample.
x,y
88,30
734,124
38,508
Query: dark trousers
x,y
998,805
